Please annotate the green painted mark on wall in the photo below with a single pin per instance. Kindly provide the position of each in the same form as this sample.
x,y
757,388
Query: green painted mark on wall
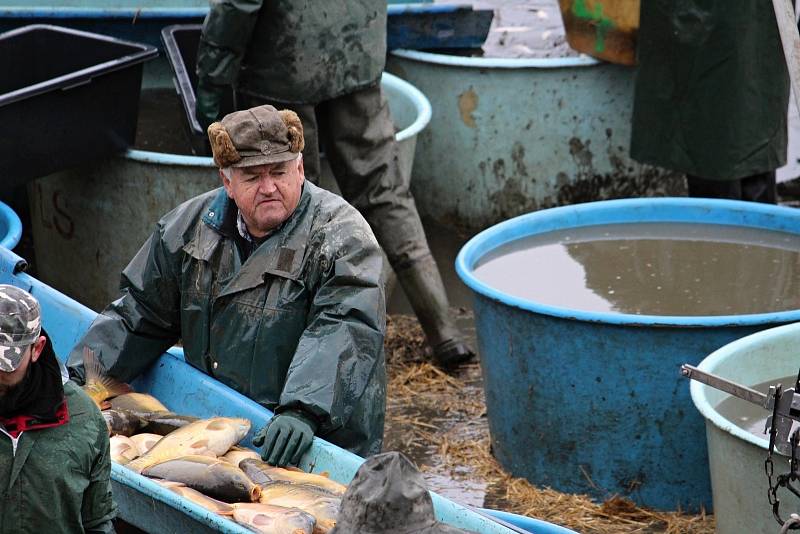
x,y
596,17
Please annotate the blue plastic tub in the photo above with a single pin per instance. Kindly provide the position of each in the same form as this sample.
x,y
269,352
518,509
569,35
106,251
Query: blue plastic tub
x,y
184,389
534,526
594,402
10,227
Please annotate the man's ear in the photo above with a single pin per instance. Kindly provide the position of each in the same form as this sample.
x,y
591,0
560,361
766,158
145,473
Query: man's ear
x,y
37,348
226,183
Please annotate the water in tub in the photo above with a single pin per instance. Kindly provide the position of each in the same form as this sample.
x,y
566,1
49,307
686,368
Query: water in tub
x,y
664,269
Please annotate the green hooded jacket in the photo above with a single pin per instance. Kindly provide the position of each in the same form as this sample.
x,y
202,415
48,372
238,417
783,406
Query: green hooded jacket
x,y
57,480
712,88
299,324
293,51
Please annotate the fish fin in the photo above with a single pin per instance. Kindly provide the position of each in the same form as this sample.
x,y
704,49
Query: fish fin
x,y
225,513
137,465
262,520
96,373
324,526
201,444
293,468
325,474
216,425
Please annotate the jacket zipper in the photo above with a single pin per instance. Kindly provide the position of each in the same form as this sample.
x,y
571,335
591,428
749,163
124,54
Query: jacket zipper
x,y
14,441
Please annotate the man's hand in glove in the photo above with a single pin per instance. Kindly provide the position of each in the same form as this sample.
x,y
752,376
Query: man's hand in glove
x,y
285,438
209,102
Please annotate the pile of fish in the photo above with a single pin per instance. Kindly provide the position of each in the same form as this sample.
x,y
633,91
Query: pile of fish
x,y
199,459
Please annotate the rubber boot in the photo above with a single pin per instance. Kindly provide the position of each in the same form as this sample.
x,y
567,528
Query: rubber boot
x,y
424,288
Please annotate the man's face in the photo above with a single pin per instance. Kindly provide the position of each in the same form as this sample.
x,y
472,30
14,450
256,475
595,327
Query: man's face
x,y
32,353
266,195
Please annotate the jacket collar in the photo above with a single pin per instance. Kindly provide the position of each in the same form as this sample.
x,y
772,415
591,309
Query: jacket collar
x,y
280,255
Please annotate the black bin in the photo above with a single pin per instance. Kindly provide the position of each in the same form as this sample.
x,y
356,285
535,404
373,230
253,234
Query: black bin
x,y
66,97
181,42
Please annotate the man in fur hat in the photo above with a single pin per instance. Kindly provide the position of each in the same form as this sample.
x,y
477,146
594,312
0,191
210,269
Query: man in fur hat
x,y
274,287
324,61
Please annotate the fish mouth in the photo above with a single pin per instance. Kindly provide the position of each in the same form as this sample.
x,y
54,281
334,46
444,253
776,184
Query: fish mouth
x,y
255,494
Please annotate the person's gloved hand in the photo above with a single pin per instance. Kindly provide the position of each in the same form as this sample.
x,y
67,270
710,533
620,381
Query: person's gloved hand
x,y
209,102
285,438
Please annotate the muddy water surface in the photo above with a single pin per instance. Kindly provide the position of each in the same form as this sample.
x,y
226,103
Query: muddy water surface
x,y
748,416
651,269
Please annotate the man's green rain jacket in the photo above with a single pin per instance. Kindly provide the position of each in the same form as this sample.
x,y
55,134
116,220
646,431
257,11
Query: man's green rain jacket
x,y
57,480
294,51
299,324
712,88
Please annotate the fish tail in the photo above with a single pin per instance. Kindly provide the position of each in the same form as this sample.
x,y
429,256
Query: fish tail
x,y
95,373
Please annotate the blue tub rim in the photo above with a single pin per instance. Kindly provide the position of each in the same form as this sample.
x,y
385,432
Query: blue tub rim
x,y
14,227
134,12
586,215
496,63
420,102
698,390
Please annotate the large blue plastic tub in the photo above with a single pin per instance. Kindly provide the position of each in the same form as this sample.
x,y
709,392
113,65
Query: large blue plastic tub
x,y
594,402
534,526
10,227
184,389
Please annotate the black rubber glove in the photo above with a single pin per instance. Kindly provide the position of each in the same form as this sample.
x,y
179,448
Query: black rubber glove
x,y
285,438
209,101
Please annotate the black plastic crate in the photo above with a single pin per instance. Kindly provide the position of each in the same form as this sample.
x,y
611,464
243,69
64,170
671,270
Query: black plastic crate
x,y
181,42
66,97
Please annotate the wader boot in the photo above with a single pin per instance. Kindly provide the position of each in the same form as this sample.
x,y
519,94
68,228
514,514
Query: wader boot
x,y
424,288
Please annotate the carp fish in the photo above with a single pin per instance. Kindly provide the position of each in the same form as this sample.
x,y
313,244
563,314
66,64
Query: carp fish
x,y
323,505
138,403
98,385
159,420
206,437
123,423
267,473
270,519
123,450
211,476
237,454
212,505
145,441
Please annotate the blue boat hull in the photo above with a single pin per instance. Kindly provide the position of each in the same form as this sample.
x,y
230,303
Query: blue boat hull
x,y
184,389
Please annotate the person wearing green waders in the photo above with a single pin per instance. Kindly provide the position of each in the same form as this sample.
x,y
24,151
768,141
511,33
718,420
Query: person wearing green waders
x,y
55,464
324,61
273,285
712,94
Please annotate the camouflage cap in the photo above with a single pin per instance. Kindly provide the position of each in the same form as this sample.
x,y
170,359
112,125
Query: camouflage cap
x,y
256,136
20,325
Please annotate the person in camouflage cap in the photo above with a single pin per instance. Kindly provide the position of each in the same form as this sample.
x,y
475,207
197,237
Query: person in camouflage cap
x,y
20,326
53,439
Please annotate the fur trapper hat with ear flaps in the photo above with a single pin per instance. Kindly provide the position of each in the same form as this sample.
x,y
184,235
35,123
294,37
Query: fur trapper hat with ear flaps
x,y
256,136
